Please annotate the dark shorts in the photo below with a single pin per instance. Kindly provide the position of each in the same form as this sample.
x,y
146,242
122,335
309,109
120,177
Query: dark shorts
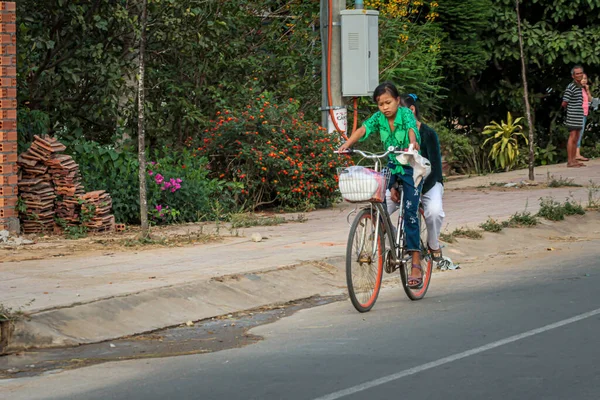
x,y
574,128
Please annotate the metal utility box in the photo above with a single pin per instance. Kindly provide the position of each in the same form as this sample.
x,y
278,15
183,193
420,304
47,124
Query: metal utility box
x,y
360,52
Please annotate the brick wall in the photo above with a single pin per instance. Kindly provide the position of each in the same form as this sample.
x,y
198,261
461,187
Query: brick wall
x,y
8,117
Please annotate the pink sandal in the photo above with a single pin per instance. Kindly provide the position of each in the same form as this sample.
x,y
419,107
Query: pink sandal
x,y
416,283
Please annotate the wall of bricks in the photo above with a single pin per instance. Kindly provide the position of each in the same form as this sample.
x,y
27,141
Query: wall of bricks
x,y
8,117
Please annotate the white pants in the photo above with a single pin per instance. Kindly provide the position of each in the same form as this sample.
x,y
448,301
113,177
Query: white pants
x,y
433,209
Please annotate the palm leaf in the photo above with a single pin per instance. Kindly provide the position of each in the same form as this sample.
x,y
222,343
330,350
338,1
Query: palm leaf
x,y
504,143
487,140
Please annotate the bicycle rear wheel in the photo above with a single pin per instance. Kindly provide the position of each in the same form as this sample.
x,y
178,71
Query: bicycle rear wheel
x,y
364,260
426,265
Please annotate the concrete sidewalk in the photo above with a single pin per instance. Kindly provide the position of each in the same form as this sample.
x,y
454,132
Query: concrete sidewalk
x,y
82,299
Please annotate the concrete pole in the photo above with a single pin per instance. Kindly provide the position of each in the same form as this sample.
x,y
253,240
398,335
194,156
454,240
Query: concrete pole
x,y
324,39
336,59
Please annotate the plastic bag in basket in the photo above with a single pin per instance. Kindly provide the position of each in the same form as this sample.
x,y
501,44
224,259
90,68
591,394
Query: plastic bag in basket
x,y
360,184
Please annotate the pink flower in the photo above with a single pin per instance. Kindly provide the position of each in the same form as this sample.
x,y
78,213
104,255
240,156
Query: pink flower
x,y
159,179
159,208
150,173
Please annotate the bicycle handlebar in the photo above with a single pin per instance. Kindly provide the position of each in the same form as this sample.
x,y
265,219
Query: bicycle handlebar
x,y
372,156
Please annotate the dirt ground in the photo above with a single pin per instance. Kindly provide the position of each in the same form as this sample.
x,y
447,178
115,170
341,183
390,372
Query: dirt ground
x,y
188,234
58,246
541,240
194,234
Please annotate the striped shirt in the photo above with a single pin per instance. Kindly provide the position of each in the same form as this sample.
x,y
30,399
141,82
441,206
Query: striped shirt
x,y
574,99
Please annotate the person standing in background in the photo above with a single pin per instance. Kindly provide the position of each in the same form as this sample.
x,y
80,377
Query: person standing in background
x,y
587,98
573,103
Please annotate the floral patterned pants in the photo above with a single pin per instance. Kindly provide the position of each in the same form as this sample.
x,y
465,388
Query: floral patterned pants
x,y
411,198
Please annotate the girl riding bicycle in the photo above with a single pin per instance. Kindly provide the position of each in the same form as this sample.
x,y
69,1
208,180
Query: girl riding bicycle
x,y
397,127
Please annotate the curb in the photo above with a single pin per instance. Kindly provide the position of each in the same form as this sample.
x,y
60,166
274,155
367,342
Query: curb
x,y
154,309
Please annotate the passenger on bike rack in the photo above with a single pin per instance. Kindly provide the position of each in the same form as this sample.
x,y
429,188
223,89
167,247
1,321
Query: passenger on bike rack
x,y
433,188
397,127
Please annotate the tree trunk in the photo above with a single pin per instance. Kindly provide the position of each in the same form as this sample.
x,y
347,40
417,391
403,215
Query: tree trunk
x,y
141,128
526,97
127,104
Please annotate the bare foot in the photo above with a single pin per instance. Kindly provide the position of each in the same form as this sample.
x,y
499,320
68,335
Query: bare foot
x,y
575,165
582,158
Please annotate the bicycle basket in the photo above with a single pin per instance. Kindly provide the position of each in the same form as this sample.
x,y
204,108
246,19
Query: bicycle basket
x,y
360,184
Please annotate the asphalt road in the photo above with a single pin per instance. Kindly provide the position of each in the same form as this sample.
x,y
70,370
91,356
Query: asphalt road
x,y
526,329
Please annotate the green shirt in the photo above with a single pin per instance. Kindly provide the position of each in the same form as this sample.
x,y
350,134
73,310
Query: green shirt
x,y
405,120
430,149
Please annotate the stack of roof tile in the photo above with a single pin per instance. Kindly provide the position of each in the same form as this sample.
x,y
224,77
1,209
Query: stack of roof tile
x,y
66,179
98,204
35,186
50,185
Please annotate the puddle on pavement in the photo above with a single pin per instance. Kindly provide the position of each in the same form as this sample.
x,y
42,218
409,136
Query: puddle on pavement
x,y
207,336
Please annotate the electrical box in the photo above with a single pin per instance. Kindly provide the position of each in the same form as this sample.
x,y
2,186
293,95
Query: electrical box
x,y
360,52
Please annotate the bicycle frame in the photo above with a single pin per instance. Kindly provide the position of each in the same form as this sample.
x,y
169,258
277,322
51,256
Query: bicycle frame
x,y
395,241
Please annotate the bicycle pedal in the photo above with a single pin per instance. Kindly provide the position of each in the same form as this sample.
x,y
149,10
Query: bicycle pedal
x,y
364,259
388,262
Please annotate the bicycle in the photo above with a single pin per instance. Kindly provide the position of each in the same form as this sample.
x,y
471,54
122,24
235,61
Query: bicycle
x,y
366,254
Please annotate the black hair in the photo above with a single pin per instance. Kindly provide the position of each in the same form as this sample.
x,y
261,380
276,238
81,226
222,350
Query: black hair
x,y
411,101
385,87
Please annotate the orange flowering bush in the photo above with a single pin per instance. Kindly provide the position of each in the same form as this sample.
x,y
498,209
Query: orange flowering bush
x,y
276,156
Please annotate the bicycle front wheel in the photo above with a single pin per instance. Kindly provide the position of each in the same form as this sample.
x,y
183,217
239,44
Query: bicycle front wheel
x,y
364,260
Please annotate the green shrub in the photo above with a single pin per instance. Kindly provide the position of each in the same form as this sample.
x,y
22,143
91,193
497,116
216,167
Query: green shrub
x,y
572,208
491,225
504,136
104,168
551,209
545,155
278,158
593,198
592,151
467,233
555,211
180,189
250,220
447,237
554,182
459,150
520,219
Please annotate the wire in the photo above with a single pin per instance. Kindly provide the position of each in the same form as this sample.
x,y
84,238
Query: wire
x,y
329,34
355,116
329,97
